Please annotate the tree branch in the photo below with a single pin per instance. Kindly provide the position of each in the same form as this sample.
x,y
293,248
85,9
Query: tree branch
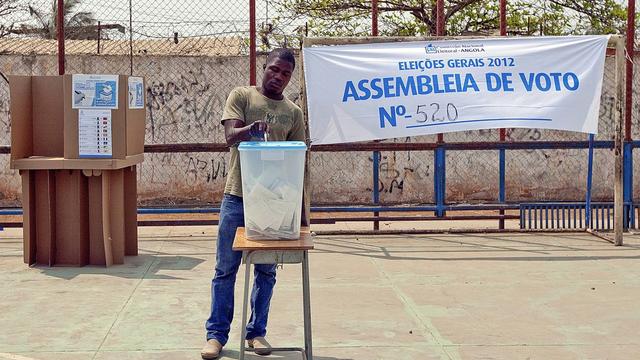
x,y
458,6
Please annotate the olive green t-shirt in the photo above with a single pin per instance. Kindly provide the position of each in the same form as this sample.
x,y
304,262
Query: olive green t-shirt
x,y
246,103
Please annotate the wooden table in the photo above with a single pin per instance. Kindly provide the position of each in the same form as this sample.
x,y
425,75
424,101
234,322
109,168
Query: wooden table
x,y
277,252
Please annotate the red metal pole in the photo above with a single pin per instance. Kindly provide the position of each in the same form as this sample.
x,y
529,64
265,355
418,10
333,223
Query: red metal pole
x,y
503,32
503,133
628,105
99,35
374,17
503,17
440,18
60,29
376,154
440,32
252,42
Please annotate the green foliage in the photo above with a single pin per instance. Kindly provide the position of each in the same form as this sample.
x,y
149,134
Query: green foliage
x,y
418,17
74,21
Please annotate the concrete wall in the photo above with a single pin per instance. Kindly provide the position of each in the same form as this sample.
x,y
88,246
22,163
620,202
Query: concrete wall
x,y
185,98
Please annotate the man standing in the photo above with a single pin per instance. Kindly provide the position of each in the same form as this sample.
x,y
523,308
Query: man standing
x,y
249,113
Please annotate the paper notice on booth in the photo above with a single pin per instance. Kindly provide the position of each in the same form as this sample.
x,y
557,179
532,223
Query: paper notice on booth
x,y
136,93
94,133
94,91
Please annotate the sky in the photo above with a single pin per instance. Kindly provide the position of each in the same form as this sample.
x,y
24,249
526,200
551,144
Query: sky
x,y
161,18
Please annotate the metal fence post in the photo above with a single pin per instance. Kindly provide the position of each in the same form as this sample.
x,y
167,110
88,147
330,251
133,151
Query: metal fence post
x,y
252,42
60,29
618,187
629,220
439,180
440,20
589,182
631,29
502,154
376,154
374,17
502,194
376,186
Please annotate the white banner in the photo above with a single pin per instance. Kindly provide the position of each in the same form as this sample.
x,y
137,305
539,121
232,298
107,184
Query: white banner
x,y
386,90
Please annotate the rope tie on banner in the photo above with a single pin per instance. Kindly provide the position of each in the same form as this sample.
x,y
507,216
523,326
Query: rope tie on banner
x,y
627,55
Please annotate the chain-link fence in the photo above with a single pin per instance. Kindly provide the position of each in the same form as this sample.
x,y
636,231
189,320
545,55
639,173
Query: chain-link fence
x,y
27,47
192,56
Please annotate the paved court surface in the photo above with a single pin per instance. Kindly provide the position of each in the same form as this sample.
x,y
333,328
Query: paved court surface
x,y
507,296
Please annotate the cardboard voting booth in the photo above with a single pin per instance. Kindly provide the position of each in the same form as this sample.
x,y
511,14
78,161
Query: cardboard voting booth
x,y
76,140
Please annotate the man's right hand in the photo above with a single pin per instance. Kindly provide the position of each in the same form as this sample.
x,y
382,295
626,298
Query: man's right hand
x,y
235,130
258,128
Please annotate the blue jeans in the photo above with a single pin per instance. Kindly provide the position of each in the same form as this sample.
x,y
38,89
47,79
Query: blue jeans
x,y
223,283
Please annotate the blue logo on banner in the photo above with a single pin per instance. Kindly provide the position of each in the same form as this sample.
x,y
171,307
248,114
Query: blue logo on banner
x,y
430,49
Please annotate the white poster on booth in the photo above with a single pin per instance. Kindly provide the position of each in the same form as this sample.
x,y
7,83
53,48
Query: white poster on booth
x,y
94,91
386,90
136,92
94,133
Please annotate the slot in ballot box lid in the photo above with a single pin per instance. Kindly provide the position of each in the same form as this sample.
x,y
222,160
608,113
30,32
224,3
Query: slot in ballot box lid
x,y
241,243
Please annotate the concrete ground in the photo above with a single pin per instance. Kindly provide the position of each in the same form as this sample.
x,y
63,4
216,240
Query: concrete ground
x,y
507,296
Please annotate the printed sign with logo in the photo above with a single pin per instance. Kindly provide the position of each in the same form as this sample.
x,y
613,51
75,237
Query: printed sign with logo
x,y
94,91
136,92
94,133
399,89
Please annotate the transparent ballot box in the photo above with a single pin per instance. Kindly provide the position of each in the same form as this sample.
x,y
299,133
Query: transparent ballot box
x,y
272,182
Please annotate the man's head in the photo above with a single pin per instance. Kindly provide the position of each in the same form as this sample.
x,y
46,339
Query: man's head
x,y
277,71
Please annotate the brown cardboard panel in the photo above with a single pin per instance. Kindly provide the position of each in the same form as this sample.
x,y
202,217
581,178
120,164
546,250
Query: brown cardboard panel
x,y
40,162
71,150
28,217
72,223
129,161
45,223
116,214
103,164
21,117
130,212
106,164
106,218
48,116
100,242
97,255
136,131
136,126
119,121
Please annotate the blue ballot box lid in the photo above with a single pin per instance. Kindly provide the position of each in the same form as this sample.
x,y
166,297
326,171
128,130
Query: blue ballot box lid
x,y
271,145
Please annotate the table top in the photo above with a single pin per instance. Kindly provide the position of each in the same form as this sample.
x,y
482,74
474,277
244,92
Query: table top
x,y
241,243
55,163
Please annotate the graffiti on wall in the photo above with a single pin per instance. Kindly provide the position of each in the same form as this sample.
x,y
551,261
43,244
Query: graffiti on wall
x,y
393,173
188,108
201,168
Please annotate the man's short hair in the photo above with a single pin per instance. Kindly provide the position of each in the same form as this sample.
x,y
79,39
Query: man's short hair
x,y
283,54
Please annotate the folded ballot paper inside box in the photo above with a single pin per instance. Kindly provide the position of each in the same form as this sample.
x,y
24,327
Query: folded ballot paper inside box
x,y
272,181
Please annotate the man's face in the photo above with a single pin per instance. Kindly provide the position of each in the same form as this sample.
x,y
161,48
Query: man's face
x,y
276,76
